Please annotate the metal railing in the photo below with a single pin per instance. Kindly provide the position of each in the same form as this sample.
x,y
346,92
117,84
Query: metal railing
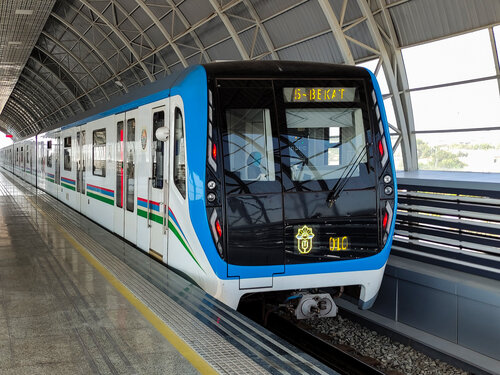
x,y
449,226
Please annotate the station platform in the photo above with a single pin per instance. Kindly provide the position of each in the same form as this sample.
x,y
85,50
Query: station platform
x,y
76,299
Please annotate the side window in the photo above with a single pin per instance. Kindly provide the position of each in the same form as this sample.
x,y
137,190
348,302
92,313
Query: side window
x,y
67,154
158,151
22,155
179,154
99,152
250,144
49,154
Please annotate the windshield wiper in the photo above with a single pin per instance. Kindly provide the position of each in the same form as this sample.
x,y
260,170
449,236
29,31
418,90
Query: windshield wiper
x,y
344,178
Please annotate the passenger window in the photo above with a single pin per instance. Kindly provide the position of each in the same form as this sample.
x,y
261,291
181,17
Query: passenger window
x,y
158,151
49,154
130,165
67,154
119,164
179,154
250,144
99,153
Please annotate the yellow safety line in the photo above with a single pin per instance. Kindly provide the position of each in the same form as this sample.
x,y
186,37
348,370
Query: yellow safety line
x,y
182,347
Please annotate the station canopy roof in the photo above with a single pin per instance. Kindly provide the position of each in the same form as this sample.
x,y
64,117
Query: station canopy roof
x,y
59,58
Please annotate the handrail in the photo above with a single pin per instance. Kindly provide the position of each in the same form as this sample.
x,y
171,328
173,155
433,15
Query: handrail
x,y
449,226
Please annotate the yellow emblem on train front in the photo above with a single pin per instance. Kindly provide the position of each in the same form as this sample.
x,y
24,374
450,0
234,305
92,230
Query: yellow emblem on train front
x,y
305,237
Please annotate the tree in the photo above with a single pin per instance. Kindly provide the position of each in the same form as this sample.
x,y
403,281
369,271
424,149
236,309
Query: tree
x,y
437,157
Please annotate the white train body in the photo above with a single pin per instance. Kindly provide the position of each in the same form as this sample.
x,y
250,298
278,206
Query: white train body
x,y
109,165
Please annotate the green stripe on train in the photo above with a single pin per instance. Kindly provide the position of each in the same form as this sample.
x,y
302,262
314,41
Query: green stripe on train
x,y
99,198
49,179
70,187
156,218
177,234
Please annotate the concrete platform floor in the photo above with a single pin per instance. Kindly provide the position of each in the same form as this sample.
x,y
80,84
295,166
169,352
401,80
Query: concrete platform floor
x,y
59,315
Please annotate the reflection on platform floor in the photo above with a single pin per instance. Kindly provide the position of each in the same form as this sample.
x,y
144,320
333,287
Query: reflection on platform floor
x,y
58,314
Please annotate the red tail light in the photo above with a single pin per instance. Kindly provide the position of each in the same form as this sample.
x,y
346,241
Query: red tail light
x,y
381,148
218,228
385,220
214,151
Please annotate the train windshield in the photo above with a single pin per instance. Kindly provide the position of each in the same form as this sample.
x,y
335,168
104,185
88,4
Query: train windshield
x,y
324,142
295,154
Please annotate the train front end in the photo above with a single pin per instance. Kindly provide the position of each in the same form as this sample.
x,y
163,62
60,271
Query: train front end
x,y
300,183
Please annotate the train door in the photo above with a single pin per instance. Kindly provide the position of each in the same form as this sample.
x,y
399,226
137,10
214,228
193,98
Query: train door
x,y
119,210
57,164
26,162
252,173
179,253
80,168
32,170
41,163
124,221
157,213
21,172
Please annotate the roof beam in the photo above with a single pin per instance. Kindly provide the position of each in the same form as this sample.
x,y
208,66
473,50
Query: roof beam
x,y
141,32
262,28
122,37
37,92
409,155
495,55
337,32
52,87
24,98
91,46
164,31
186,24
76,81
27,114
119,52
77,59
60,80
230,28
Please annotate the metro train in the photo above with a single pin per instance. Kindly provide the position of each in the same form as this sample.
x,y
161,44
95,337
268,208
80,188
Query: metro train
x,y
266,178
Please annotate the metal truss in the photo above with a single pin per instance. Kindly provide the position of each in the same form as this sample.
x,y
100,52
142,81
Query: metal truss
x,y
36,110
36,91
92,47
495,52
63,69
67,55
41,81
92,50
58,78
118,55
164,32
24,116
121,36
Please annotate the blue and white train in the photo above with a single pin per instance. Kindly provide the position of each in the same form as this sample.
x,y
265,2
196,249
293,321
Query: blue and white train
x,y
274,178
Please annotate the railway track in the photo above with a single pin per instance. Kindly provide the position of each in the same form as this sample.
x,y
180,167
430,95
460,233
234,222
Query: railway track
x,y
335,357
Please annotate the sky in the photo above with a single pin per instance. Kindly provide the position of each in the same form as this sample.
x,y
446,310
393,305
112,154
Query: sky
x,y
463,106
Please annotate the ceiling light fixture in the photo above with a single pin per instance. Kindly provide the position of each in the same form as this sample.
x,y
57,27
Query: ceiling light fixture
x,y
24,12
